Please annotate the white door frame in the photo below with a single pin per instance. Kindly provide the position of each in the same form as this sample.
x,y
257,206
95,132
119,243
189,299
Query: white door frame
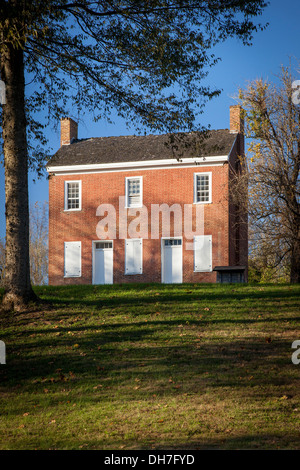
x,y
93,257
162,256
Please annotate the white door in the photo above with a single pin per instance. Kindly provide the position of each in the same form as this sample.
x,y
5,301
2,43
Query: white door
x,y
172,260
103,262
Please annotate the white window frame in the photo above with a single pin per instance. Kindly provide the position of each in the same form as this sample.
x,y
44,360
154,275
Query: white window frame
x,y
103,241
196,238
127,179
209,174
80,257
66,195
141,260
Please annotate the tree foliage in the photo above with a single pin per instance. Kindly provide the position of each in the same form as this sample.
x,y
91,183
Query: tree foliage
x,y
273,125
121,54
147,59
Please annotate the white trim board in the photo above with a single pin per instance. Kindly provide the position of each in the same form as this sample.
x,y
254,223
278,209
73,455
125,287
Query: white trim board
x,y
138,166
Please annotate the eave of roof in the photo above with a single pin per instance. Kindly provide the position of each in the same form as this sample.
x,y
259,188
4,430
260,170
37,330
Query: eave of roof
x,y
111,153
149,164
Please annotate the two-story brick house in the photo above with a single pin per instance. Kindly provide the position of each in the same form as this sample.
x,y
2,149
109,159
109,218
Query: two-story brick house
x,y
142,209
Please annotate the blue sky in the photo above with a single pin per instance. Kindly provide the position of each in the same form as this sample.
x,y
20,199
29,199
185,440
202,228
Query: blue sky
x,y
271,48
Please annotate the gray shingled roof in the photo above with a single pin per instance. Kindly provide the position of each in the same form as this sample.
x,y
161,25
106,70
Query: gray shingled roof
x,y
142,148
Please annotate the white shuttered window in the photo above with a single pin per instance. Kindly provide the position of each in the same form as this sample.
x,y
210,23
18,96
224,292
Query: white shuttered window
x,y
134,192
133,256
72,259
203,253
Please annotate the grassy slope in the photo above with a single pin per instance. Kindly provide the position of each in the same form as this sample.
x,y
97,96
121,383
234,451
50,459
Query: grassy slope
x,y
153,367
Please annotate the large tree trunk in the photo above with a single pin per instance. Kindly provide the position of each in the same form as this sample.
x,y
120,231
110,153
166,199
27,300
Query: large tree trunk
x,y
18,291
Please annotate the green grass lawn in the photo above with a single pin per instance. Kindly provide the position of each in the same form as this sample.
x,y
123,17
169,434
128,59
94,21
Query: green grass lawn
x,y
153,367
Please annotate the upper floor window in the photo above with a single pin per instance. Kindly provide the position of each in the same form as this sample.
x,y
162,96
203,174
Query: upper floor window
x,y
134,192
202,188
72,195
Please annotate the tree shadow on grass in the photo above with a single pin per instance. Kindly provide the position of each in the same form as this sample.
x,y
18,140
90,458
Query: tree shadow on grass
x,y
126,294
159,446
250,441
116,357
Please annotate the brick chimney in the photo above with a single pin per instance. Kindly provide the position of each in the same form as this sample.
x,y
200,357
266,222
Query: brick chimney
x,y
236,120
68,131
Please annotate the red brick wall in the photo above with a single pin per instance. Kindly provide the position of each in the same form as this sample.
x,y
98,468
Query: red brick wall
x,y
68,131
236,119
160,186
